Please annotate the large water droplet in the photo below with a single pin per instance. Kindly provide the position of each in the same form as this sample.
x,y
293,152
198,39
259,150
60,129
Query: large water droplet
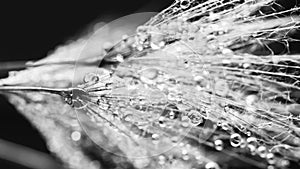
x,y
185,121
262,151
195,117
270,158
212,165
91,78
252,144
219,145
235,140
184,4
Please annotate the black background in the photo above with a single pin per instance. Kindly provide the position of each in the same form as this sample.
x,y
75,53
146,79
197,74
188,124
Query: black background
x,y
30,30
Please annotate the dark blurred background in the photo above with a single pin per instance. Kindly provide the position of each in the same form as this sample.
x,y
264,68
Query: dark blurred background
x,y
31,29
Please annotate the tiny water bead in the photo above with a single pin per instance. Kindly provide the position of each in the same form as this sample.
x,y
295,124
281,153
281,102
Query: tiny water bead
x,y
235,140
219,145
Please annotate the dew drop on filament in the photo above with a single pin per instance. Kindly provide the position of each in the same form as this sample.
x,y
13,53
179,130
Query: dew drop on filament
x,y
184,4
219,145
195,117
212,165
262,151
235,140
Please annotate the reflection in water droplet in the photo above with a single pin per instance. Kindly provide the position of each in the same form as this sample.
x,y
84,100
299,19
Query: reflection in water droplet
x,y
270,158
161,159
212,165
155,138
184,4
219,145
235,140
185,121
262,151
248,133
195,117
225,126
252,144
161,122
91,78
76,136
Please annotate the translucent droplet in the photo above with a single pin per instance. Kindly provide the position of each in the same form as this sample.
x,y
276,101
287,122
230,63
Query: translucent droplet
x,y
270,158
120,58
195,117
161,122
243,143
262,151
212,165
175,140
235,140
186,157
252,144
284,163
225,126
91,78
76,136
161,159
219,145
150,73
185,121
248,133
155,138
184,4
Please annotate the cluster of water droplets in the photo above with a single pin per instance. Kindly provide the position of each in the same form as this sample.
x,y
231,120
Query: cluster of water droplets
x,y
204,91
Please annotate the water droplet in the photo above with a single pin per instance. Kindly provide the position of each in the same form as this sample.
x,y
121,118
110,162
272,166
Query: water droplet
x,y
185,121
186,157
155,138
212,165
91,78
219,145
76,136
150,73
235,140
175,140
252,144
184,4
195,117
161,159
120,58
294,109
262,151
161,122
270,158
248,133
225,126
284,163
243,143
